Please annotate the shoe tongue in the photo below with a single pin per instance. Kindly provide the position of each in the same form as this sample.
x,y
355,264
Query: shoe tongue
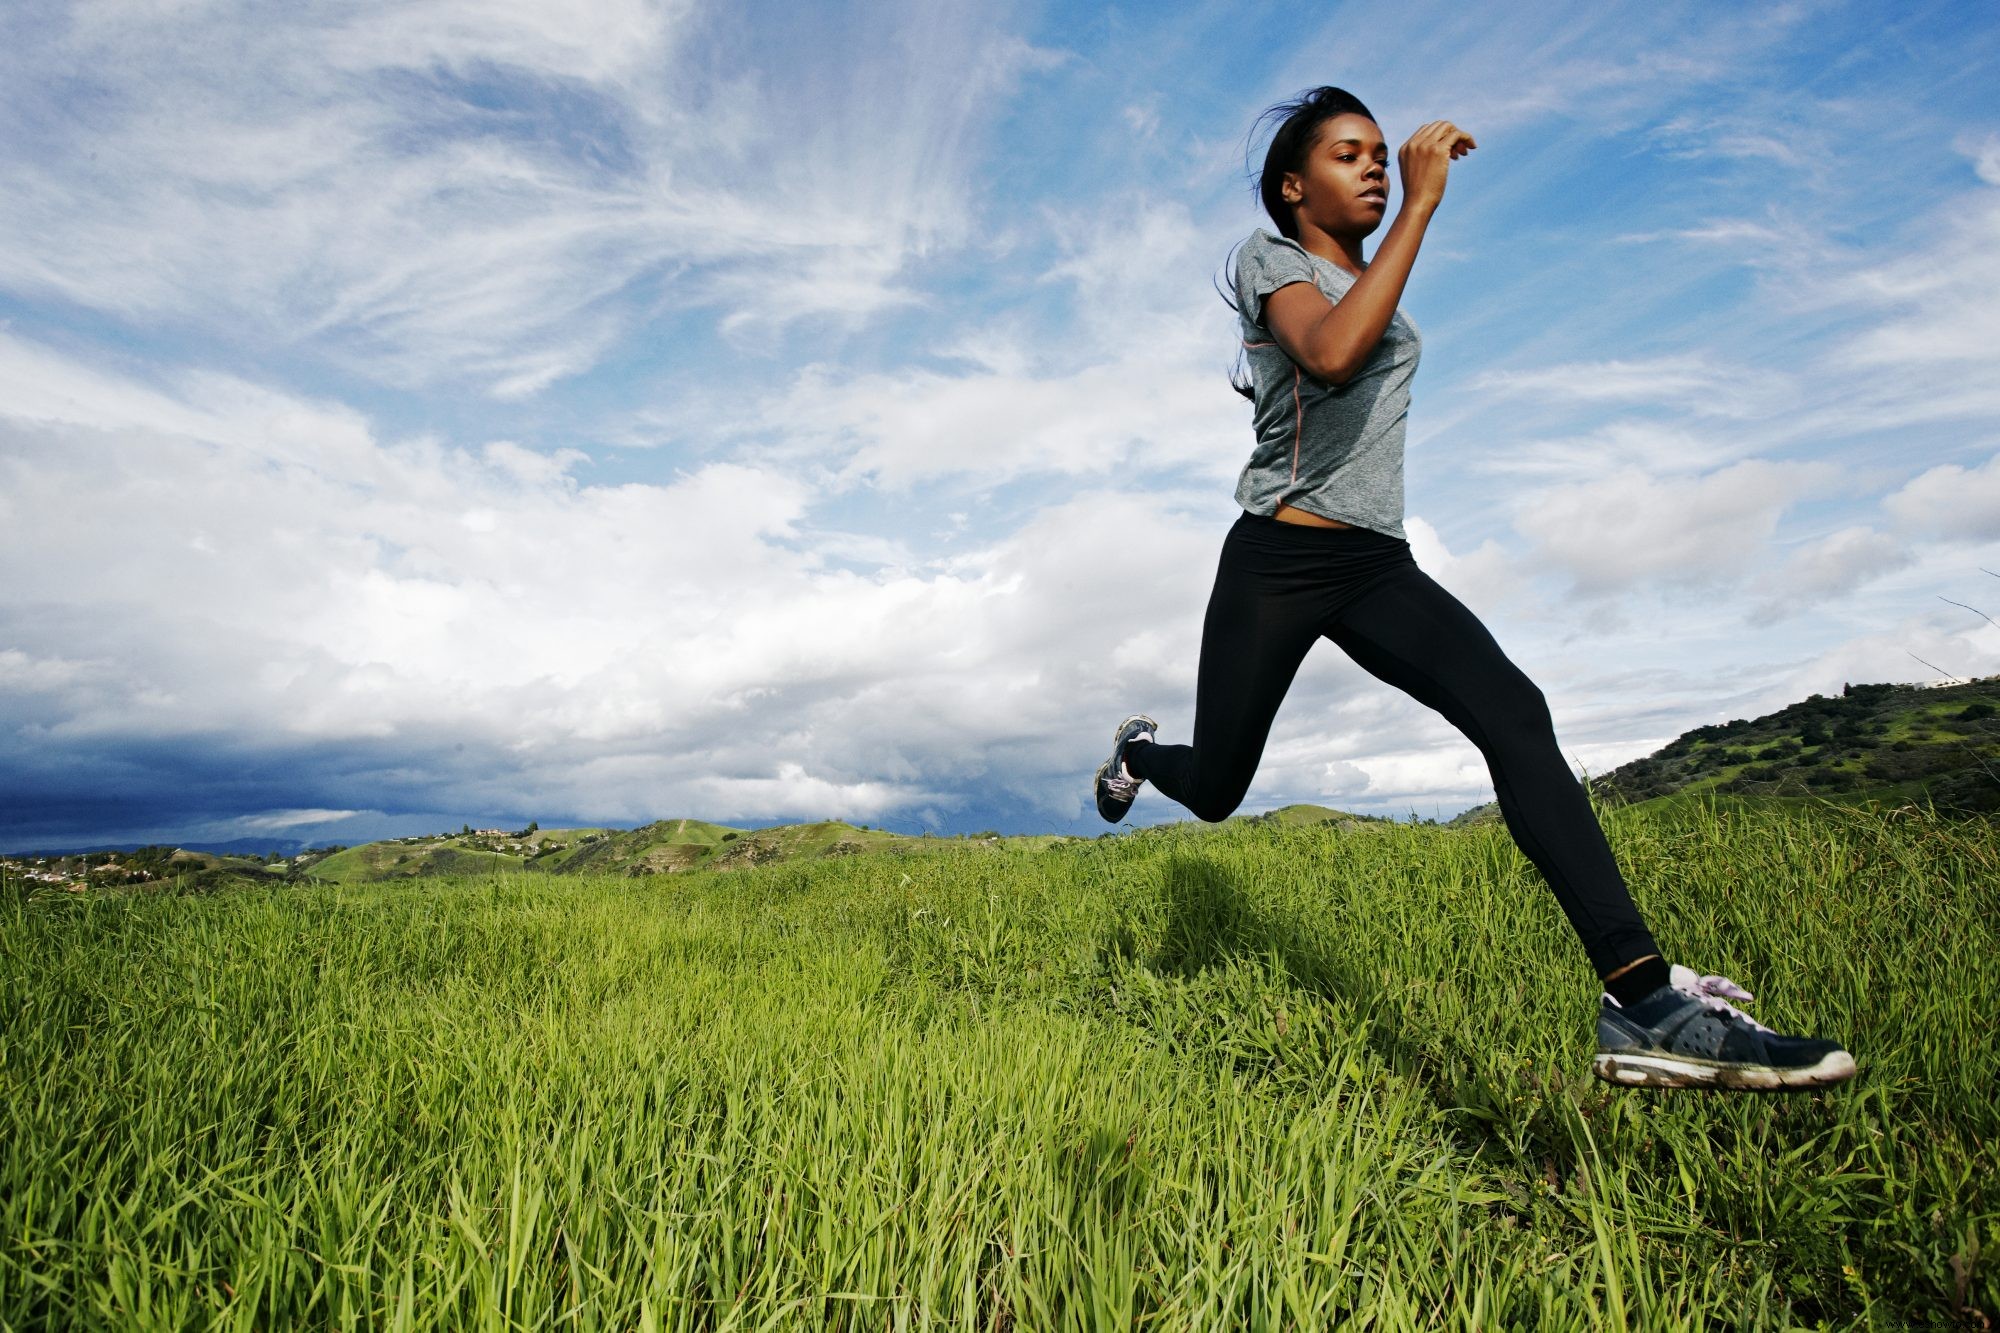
x,y
1689,983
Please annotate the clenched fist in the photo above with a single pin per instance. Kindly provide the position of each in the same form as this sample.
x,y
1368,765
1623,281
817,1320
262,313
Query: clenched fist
x,y
1426,158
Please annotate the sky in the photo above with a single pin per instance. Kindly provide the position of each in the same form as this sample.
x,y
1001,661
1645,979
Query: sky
x,y
416,412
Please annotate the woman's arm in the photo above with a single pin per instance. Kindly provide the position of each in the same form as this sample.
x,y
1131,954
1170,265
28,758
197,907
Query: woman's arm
x,y
1332,341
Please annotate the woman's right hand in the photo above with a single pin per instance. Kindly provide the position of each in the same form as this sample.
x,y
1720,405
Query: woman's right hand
x,y
1426,158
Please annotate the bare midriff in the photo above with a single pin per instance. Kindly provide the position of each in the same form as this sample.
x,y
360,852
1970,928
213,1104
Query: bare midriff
x,y
1287,514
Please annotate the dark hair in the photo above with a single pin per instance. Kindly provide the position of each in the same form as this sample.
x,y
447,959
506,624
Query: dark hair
x,y
1299,122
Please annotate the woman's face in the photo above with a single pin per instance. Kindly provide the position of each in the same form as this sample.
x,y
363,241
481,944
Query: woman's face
x,y
1343,187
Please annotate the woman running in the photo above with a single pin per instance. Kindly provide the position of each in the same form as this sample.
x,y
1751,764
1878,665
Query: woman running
x,y
1319,551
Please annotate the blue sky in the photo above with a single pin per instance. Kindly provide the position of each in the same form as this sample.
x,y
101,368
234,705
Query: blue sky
x,y
425,411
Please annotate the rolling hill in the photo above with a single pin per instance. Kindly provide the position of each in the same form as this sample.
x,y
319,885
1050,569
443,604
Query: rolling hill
x,y
664,847
674,846
1887,743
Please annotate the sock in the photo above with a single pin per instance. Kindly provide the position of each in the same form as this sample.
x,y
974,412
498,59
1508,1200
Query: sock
x,y
1638,983
1134,752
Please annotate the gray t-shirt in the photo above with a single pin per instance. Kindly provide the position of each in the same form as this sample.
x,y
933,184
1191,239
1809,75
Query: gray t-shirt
x,y
1335,450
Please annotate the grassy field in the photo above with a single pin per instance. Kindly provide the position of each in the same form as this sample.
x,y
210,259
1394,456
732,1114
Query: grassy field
x,y
1250,1076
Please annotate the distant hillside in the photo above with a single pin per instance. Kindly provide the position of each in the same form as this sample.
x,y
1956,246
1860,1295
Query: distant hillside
x,y
665,847
668,846
1305,813
675,846
406,857
152,864
1888,743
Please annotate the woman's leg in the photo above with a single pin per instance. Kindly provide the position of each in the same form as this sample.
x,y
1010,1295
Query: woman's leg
x,y
1412,633
1262,618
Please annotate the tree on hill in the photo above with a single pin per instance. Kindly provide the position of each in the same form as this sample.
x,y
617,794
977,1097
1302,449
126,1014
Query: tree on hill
x,y
1830,746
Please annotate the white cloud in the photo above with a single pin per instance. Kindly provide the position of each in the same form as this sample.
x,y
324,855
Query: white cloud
x,y
1545,66
1949,502
1941,296
1629,526
621,649
1454,775
1907,651
1137,387
272,820
1985,156
1781,243
1697,384
25,674
431,190
1485,578
792,789
1131,417
1828,568
1656,447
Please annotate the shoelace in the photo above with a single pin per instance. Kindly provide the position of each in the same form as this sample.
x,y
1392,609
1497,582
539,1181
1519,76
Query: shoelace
x,y
1122,784
1123,788
1713,991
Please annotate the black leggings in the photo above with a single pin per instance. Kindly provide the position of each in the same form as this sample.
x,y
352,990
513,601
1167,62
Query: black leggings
x,y
1278,588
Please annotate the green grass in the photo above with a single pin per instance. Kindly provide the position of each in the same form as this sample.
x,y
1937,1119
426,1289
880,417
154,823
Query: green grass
x,y
1242,1076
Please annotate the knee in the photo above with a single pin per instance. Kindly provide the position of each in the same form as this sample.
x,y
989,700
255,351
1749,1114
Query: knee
x,y
1214,807
1525,706
1514,713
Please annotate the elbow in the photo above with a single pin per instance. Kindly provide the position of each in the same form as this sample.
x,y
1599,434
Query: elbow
x,y
1322,353
1329,365
1331,371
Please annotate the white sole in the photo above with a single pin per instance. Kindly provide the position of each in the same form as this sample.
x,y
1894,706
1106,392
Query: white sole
x,y
1635,1070
1136,717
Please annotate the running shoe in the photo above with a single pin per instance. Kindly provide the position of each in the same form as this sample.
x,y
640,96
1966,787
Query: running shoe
x,y
1115,786
1686,1034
